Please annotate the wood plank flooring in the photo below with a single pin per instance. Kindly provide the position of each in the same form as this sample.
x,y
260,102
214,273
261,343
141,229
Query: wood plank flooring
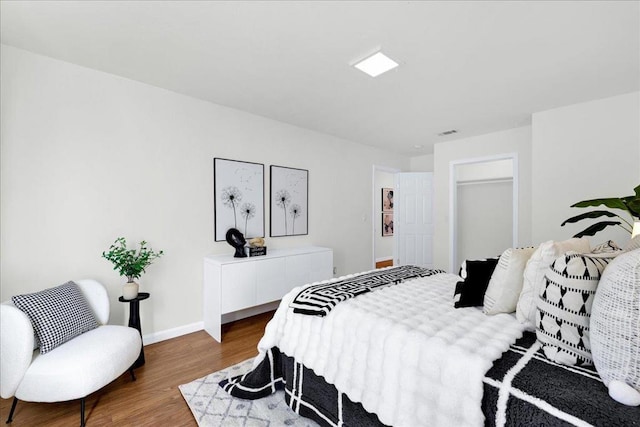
x,y
154,399
386,263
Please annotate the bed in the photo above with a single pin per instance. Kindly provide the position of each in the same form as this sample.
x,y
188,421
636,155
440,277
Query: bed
x,y
388,348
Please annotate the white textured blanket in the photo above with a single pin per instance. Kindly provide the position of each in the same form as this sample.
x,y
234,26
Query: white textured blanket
x,y
404,351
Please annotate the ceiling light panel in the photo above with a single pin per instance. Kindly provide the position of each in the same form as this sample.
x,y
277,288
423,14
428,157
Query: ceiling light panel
x,y
376,64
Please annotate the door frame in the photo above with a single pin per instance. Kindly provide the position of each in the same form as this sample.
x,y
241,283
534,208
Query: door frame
x,y
375,209
453,199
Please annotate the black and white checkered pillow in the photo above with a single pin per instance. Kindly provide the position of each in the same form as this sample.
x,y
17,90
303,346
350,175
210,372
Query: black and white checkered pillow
x,y
57,314
564,307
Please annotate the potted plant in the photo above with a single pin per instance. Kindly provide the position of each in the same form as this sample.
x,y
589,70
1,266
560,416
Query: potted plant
x,y
629,204
130,263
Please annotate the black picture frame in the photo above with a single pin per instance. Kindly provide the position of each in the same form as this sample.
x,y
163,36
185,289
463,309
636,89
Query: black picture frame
x,y
238,198
289,201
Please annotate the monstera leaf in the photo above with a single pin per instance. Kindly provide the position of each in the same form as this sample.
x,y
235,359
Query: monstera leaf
x,y
588,215
634,206
629,204
593,229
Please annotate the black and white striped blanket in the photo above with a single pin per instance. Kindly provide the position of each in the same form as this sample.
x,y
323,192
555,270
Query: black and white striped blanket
x,y
320,299
522,388
320,401
525,388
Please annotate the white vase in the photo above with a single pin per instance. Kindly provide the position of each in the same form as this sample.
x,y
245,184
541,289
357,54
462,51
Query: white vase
x,y
130,290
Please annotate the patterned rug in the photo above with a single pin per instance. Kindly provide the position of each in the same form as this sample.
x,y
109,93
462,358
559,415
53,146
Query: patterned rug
x,y
213,407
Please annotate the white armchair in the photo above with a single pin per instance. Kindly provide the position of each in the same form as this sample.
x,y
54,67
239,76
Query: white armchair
x,y
71,371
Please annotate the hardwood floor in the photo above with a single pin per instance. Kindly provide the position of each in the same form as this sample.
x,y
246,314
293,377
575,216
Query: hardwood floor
x,y
382,264
154,399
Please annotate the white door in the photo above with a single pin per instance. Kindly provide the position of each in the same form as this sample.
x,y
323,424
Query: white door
x,y
413,220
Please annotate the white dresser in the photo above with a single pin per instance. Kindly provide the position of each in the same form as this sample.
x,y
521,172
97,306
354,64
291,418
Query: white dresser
x,y
233,284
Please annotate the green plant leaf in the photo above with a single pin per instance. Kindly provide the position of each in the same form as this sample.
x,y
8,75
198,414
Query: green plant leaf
x,y
593,229
127,261
589,215
629,204
634,207
613,203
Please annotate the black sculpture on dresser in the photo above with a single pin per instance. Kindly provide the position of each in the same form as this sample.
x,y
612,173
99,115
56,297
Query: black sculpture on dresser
x,y
236,239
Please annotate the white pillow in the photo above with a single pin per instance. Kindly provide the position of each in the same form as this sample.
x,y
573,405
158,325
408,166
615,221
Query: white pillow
x,y
615,321
633,244
534,273
506,281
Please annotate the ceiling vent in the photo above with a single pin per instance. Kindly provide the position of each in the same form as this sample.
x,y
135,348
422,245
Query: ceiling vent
x,y
448,132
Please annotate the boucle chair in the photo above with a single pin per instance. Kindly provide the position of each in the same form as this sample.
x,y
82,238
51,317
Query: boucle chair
x,y
72,370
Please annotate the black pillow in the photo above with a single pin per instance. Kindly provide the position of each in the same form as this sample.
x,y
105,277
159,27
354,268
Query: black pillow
x,y
476,275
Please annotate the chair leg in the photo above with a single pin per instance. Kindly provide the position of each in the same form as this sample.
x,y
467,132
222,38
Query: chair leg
x,y
133,375
82,412
13,408
15,402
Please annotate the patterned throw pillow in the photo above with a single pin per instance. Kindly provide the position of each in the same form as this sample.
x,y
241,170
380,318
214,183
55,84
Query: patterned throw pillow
x,y
606,248
57,314
535,271
615,328
564,307
476,275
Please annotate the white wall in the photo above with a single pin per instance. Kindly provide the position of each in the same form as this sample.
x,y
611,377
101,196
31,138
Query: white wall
x,y
484,229
383,245
509,141
87,156
484,171
583,151
422,163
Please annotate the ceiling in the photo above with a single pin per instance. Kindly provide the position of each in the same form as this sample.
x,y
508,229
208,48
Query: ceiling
x,y
476,67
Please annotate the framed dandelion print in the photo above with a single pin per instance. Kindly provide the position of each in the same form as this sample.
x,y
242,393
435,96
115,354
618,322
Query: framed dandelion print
x,y
289,201
238,194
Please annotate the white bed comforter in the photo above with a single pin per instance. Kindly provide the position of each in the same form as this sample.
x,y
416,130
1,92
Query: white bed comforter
x,y
403,351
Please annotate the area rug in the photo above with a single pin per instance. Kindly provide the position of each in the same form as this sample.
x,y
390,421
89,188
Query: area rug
x,y
213,407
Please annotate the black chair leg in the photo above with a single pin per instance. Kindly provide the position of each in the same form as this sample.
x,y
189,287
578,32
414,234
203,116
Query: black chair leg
x,y
13,408
82,412
133,375
15,402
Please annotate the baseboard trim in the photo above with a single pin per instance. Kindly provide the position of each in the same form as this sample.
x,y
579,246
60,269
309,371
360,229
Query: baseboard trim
x,y
167,334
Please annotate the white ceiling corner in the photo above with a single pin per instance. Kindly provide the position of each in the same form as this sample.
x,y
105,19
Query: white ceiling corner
x,y
472,66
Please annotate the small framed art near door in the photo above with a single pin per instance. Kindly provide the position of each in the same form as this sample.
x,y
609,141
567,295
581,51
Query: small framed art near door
x,y
387,223
387,199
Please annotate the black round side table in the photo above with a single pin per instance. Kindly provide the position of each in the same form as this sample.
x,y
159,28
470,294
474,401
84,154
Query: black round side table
x,y
134,320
